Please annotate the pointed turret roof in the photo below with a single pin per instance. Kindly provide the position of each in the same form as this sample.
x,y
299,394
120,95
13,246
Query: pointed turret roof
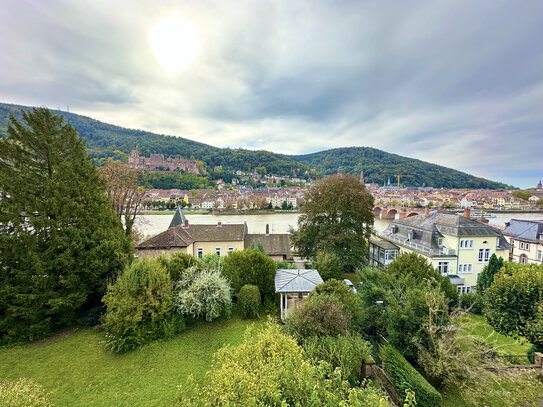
x,y
178,218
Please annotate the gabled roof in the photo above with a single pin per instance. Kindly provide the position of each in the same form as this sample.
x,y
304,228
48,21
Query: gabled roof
x,y
272,244
178,218
296,281
527,230
182,236
173,237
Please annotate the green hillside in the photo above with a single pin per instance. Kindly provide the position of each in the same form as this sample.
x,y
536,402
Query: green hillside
x,y
105,140
379,165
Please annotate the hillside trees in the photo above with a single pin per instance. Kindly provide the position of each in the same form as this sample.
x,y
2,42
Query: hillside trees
x,y
59,238
337,217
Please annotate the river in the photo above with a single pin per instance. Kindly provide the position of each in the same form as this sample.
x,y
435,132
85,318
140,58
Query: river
x,y
150,225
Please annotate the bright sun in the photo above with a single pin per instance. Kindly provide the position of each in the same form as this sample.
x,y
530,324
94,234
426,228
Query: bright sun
x,y
176,43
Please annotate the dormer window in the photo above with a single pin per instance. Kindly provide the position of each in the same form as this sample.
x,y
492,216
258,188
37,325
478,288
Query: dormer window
x,y
440,242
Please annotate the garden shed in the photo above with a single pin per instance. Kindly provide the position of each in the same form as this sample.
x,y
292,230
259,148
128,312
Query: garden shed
x,y
294,286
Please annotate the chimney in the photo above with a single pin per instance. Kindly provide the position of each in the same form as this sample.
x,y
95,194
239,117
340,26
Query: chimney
x,y
219,224
467,213
186,223
426,211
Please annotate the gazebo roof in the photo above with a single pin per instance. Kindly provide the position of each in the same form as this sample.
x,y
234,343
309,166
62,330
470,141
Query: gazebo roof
x,y
296,281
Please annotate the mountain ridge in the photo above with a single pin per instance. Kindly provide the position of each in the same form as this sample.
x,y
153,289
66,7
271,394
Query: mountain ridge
x,y
104,140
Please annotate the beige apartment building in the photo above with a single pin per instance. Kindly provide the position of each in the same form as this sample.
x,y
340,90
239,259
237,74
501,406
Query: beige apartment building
x,y
458,246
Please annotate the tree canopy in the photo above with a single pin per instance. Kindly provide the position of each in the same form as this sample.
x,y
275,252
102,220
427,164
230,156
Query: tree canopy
x,y
337,217
59,237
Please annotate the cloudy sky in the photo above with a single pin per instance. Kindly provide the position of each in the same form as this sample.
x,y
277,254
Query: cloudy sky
x,y
458,83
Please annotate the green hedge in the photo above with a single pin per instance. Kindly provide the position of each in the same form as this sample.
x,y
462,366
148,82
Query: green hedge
x,y
404,376
249,301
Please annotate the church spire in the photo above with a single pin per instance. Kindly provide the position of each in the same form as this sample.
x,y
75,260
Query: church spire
x,y
178,218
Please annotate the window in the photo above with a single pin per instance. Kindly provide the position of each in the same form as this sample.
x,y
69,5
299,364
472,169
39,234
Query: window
x,y
466,243
440,242
200,252
390,255
465,268
229,249
443,267
523,259
527,246
463,289
522,245
539,255
218,251
484,255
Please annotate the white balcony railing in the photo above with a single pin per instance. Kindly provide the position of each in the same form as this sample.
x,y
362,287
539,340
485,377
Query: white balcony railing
x,y
420,248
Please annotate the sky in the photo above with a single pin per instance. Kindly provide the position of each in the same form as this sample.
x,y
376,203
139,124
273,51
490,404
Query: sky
x,y
457,83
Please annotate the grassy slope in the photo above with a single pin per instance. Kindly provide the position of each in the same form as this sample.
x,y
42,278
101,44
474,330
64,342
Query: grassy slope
x,y
81,373
520,388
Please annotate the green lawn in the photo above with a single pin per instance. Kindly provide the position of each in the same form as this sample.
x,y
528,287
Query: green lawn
x,y
80,372
478,328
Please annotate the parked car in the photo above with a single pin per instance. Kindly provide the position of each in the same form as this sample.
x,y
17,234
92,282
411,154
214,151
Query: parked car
x,y
349,284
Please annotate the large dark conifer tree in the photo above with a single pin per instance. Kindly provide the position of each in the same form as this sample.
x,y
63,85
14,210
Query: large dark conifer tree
x,y
59,238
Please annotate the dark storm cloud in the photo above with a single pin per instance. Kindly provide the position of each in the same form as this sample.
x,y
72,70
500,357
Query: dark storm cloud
x,y
456,83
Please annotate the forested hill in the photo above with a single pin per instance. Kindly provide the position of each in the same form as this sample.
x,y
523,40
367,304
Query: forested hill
x,y
379,165
105,140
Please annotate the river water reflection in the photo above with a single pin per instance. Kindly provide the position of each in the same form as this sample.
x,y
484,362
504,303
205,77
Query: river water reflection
x,y
150,225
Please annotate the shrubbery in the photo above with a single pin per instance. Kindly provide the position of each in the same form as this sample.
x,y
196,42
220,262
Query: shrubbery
x,y
329,265
346,352
249,301
350,301
251,266
139,307
320,315
269,369
472,302
404,376
177,264
23,393
203,293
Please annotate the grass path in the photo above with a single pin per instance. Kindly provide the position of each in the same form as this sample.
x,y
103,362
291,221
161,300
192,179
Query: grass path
x,y
80,372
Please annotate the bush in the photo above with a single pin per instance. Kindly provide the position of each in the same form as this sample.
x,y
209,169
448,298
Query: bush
x,y
178,263
249,301
251,266
352,304
208,295
212,262
472,302
138,304
23,393
320,315
286,265
269,369
328,265
344,352
404,377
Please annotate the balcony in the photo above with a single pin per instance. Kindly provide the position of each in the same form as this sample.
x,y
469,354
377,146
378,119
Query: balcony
x,y
417,247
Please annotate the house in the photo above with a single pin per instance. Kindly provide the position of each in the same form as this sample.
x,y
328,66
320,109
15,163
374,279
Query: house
x,y
458,246
277,246
197,240
526,239
294,286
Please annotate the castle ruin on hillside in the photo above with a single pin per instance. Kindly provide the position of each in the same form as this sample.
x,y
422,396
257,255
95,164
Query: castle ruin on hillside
x,y
157,162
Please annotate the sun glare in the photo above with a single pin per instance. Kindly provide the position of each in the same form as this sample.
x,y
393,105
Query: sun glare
x,y
176,43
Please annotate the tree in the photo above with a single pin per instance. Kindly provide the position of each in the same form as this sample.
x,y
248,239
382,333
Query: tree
x,y
521,194
138,304
60,240
328,265
352,304
513,301
123,191
249,301
250,266
485,279
336,216
205,293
